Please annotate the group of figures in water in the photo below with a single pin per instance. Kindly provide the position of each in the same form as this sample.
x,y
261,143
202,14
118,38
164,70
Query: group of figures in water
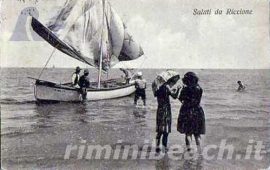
x,y
191,119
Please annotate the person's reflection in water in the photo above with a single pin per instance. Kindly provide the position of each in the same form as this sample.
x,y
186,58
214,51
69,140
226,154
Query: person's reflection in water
x,y
139,113
163,164
43,116
183,161
195,163
81,113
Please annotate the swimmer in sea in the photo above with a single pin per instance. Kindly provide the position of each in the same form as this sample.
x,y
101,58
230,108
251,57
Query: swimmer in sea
x,y
241,86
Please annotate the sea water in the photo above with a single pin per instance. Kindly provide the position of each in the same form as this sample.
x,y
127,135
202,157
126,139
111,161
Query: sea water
x,y
37,135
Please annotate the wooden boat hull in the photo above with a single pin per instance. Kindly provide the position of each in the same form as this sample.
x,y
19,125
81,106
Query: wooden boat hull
x,y
51,92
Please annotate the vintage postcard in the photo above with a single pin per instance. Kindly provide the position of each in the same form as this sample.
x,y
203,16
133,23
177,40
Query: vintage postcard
x,y
135,84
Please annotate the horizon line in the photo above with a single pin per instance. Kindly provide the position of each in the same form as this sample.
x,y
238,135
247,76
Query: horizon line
x,y
266,68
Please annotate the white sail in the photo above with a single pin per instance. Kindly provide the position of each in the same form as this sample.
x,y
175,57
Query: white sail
x,y
85,27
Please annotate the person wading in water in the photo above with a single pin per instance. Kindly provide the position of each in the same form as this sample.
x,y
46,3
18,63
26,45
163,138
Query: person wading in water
x,y
191,119
140,85
164,116
84,83
241,86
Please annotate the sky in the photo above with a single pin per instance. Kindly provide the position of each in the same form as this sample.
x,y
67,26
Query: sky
x,y
170,35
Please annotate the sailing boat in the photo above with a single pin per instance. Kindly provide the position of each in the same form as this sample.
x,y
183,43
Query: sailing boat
x,y
91,32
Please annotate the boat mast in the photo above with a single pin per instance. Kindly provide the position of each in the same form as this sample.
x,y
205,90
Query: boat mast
x,y
101,43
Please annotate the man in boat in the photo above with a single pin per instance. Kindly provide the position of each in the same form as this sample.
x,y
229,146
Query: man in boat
x,y
84,83
75,77
127,75
140,85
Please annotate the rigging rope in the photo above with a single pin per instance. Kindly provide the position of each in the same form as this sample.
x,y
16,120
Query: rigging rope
x,y
47,62
123,63
139,67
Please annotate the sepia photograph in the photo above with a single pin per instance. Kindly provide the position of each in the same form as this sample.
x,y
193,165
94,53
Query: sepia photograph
x,y
135,84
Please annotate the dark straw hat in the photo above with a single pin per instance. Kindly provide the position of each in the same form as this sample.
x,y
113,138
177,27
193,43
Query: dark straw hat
x,y
190,79
78,68
86,72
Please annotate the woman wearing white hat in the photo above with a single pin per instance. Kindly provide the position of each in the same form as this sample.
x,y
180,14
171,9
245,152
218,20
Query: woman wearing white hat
x,y
162,90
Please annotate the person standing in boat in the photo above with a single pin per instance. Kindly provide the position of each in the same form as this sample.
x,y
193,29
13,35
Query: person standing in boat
x,y
127,75
163,117
140,85
84,83
191,120
76,77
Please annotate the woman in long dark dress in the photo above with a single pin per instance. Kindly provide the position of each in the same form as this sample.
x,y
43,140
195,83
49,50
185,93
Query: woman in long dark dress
x,y
164,116
191,120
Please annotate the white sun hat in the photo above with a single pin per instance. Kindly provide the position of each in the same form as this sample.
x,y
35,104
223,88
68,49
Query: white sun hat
x,y
139,74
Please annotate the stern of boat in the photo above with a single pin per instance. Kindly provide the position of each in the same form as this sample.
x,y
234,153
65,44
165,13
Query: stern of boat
x,y
45,91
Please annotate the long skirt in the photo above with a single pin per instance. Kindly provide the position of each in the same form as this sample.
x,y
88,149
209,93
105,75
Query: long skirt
x,y
164,119
191,120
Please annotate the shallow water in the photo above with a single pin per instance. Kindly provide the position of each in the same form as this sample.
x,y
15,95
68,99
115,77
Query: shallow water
x,y
36,136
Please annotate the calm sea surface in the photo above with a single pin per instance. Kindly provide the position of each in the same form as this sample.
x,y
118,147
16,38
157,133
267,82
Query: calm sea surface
x,y
36,136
